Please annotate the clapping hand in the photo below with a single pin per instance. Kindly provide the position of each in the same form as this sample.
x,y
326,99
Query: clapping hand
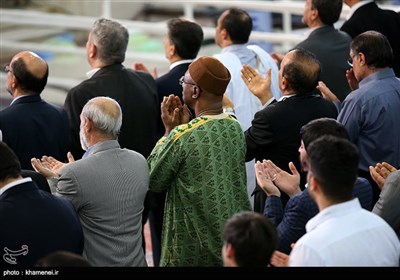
x,y
173,113
288,183
141,67
380,172
266,180
48,166
260,87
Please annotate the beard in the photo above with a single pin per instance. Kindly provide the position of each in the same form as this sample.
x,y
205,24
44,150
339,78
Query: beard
x,y
84,143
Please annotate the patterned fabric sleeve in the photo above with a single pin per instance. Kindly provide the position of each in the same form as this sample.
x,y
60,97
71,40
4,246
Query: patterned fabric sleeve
x,y
164,163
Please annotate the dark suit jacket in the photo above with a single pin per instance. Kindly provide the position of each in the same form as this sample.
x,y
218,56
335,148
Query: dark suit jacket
x,y
33,128
275,133
39,220
136,93
332,48
371,17
37,178
169,84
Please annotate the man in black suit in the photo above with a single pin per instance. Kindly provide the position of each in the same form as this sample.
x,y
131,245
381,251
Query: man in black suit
x,y
33,222
30,126
181,45
366,15
274,133
330,46
135,91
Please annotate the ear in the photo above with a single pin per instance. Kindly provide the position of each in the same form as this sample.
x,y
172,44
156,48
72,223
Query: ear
x,y
92,50
196,92
88,125
229,252
284,83
14,82
315,14
362,59
313,184
172,50
224,34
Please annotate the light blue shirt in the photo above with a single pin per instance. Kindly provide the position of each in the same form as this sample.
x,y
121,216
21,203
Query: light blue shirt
x,y
245,55
371,115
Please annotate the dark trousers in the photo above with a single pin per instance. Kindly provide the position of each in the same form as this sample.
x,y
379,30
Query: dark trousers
x,y
156,218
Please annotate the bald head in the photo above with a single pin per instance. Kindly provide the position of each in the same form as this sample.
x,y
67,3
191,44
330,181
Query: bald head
x,y
31,71
106,115
301,69
34,63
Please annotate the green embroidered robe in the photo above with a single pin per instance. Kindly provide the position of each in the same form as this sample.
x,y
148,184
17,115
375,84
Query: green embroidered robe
x,y
202,166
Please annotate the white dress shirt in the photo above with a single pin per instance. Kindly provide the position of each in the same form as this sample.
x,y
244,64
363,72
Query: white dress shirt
x,y
346,235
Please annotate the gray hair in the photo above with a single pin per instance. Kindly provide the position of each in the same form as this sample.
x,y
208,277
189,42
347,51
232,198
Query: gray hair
x,y
111,40
106,115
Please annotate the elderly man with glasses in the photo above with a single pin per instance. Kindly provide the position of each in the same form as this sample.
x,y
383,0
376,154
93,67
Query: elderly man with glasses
x,y
370,111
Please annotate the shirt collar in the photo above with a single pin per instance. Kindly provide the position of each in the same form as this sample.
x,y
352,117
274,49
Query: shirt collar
x,y
280,99
333,211
310,30
176,63
14,183
16,98
90,73
283,97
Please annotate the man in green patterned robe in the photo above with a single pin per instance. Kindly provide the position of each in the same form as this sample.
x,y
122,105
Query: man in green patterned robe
x,y
201,164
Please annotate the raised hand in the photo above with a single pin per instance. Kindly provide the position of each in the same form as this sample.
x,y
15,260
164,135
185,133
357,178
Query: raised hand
x,y
260,87
351,79
169,113
380,172
70,157
326,92
43,168
53,164
184,113
264,180
141,67
288,183
277,57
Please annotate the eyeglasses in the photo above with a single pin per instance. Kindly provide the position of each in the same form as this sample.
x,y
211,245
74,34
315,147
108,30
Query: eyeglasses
x,y
350,60
7,69
182,81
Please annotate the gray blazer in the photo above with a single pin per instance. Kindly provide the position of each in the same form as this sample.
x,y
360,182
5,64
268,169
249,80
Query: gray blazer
x,y
107,189
388,204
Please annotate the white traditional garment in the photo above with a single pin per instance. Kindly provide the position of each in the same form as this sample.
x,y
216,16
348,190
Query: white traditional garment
x,y
245,103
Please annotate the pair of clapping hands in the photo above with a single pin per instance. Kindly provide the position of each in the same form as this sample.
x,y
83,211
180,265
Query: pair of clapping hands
x,y
49,167
272,179
173,112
